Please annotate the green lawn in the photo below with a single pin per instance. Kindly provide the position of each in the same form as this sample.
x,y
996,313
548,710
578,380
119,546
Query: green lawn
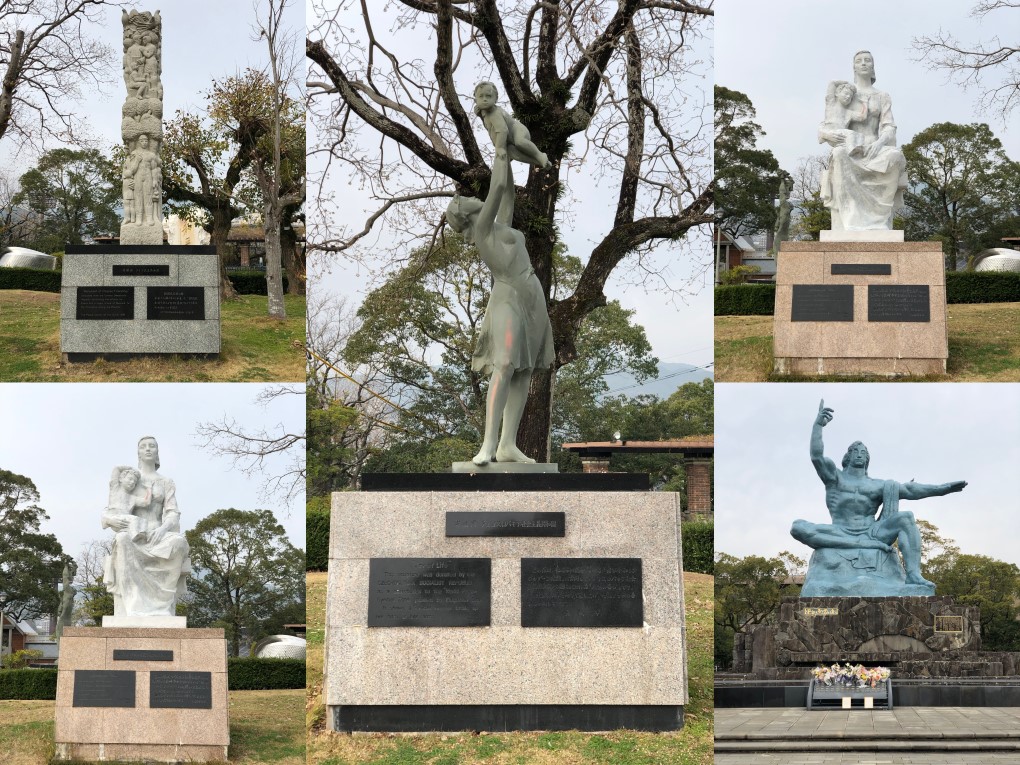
x,y
265,729
254,348
984,346
690,746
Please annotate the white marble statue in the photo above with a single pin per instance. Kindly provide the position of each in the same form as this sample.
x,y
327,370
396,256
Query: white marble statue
x,y
148,567
516,336
864,182
142,129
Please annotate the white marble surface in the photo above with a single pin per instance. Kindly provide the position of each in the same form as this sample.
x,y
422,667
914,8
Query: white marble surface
x,y
874,235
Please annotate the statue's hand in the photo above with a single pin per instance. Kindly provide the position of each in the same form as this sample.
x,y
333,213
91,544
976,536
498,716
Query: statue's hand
x,y
156,535
824,414
954,486
873,150
118,522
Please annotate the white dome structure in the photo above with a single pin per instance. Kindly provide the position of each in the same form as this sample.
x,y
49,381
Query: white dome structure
x,y
280,647
997,259
22,257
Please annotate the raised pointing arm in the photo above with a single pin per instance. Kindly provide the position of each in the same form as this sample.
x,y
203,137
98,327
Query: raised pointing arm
x,y
825,467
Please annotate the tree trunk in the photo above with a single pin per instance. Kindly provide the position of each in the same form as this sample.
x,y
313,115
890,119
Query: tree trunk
x,y
293,259
274,268
220,231
533,436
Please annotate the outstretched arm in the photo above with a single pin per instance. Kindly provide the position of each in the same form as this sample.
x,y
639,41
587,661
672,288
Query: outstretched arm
x,y
825,467
494,199
911,490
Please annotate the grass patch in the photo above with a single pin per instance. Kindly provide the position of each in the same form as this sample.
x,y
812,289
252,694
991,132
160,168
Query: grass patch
x,y
265,729
984,346
254,348
690,746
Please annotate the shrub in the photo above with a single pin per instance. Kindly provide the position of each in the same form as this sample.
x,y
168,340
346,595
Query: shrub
x,y
20,659
28,684
698,539
745,300
738,274
250,674
317,534
982,287
33,279
251,282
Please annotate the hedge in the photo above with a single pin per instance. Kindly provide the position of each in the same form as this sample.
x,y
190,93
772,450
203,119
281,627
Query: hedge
x,y
34,279
265,674
316,539
745,300
698,539
982,287
961,287
251,282
28,684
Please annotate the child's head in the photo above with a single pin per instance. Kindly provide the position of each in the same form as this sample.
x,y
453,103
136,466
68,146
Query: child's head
x,y
845,92
486,89
129,478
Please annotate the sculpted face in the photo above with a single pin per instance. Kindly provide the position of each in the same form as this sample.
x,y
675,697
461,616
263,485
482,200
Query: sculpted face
x,y
864,65
143,141
845,95
485,96
148,450
857,456
128,480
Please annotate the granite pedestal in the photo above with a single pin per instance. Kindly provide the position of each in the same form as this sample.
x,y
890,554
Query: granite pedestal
x,y
860,308
142,694
505,611
139,299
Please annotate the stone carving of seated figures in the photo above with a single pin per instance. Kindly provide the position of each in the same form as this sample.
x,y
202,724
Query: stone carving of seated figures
x,y
854,554
148,566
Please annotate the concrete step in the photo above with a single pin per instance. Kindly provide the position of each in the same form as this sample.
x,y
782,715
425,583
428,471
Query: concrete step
x,y
823,743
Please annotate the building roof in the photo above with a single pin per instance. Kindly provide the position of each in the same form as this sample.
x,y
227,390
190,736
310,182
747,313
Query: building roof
x,y
691,446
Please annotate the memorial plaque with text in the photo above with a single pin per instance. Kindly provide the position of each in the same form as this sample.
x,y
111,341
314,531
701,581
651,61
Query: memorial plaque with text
x,y
823,302
140,269
180,690
899,302
175,303
124,654
505,524
581,592
103,688
100,303
429,592
861,269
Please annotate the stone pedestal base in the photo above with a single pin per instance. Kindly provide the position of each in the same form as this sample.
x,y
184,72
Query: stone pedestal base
x,y
583,630
140,233
139,300
176,622
506,467
153,694
860,308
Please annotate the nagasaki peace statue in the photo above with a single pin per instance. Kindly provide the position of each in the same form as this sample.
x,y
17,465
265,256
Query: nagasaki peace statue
x,y
853,555
861,300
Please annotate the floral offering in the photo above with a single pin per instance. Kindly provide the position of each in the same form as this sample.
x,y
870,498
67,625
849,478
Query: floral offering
x,y
851,675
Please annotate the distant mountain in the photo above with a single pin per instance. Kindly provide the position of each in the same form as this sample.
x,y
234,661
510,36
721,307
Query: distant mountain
x,y
671,377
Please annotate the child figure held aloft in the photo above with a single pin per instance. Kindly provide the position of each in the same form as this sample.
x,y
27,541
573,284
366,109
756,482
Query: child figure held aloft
x,y
508,135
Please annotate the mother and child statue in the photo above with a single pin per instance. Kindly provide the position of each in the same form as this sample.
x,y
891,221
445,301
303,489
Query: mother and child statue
x,y
147,569
515,336
854,555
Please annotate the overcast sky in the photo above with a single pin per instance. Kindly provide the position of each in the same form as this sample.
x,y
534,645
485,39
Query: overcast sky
x,y
782,54
679,328
68,437
931,432
203,40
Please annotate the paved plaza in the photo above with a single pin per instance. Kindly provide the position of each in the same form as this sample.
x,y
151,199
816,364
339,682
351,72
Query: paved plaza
x,y
905,736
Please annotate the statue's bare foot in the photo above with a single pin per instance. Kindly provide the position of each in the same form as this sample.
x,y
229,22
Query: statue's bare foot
x,y
484,456
918,579
512,454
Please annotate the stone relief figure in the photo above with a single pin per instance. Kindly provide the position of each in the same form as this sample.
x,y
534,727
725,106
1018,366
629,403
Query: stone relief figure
x,y
516,336
782,232
853,555
866,176
65,618
508,135
143,193
148,567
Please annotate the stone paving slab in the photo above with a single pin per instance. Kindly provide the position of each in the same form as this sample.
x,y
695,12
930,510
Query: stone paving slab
x,y
867,758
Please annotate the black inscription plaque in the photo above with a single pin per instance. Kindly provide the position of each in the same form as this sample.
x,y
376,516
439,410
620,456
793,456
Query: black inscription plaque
x,y
95,303
124,654
103,688
823,302
138,269
175,303
898,302
180,690
429,592
581,592
503,524
861,269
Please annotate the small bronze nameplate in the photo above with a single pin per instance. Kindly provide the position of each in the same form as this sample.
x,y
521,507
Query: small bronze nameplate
x,y
810,611
822,302
949,624
505,524
124,654
138,269
861,269
180,690
175,303
899,302
103,688
104,303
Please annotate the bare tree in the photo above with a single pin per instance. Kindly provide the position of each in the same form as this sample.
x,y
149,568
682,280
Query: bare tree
x,y
598,85
282,187
992,67
95,601
47,59
255,451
